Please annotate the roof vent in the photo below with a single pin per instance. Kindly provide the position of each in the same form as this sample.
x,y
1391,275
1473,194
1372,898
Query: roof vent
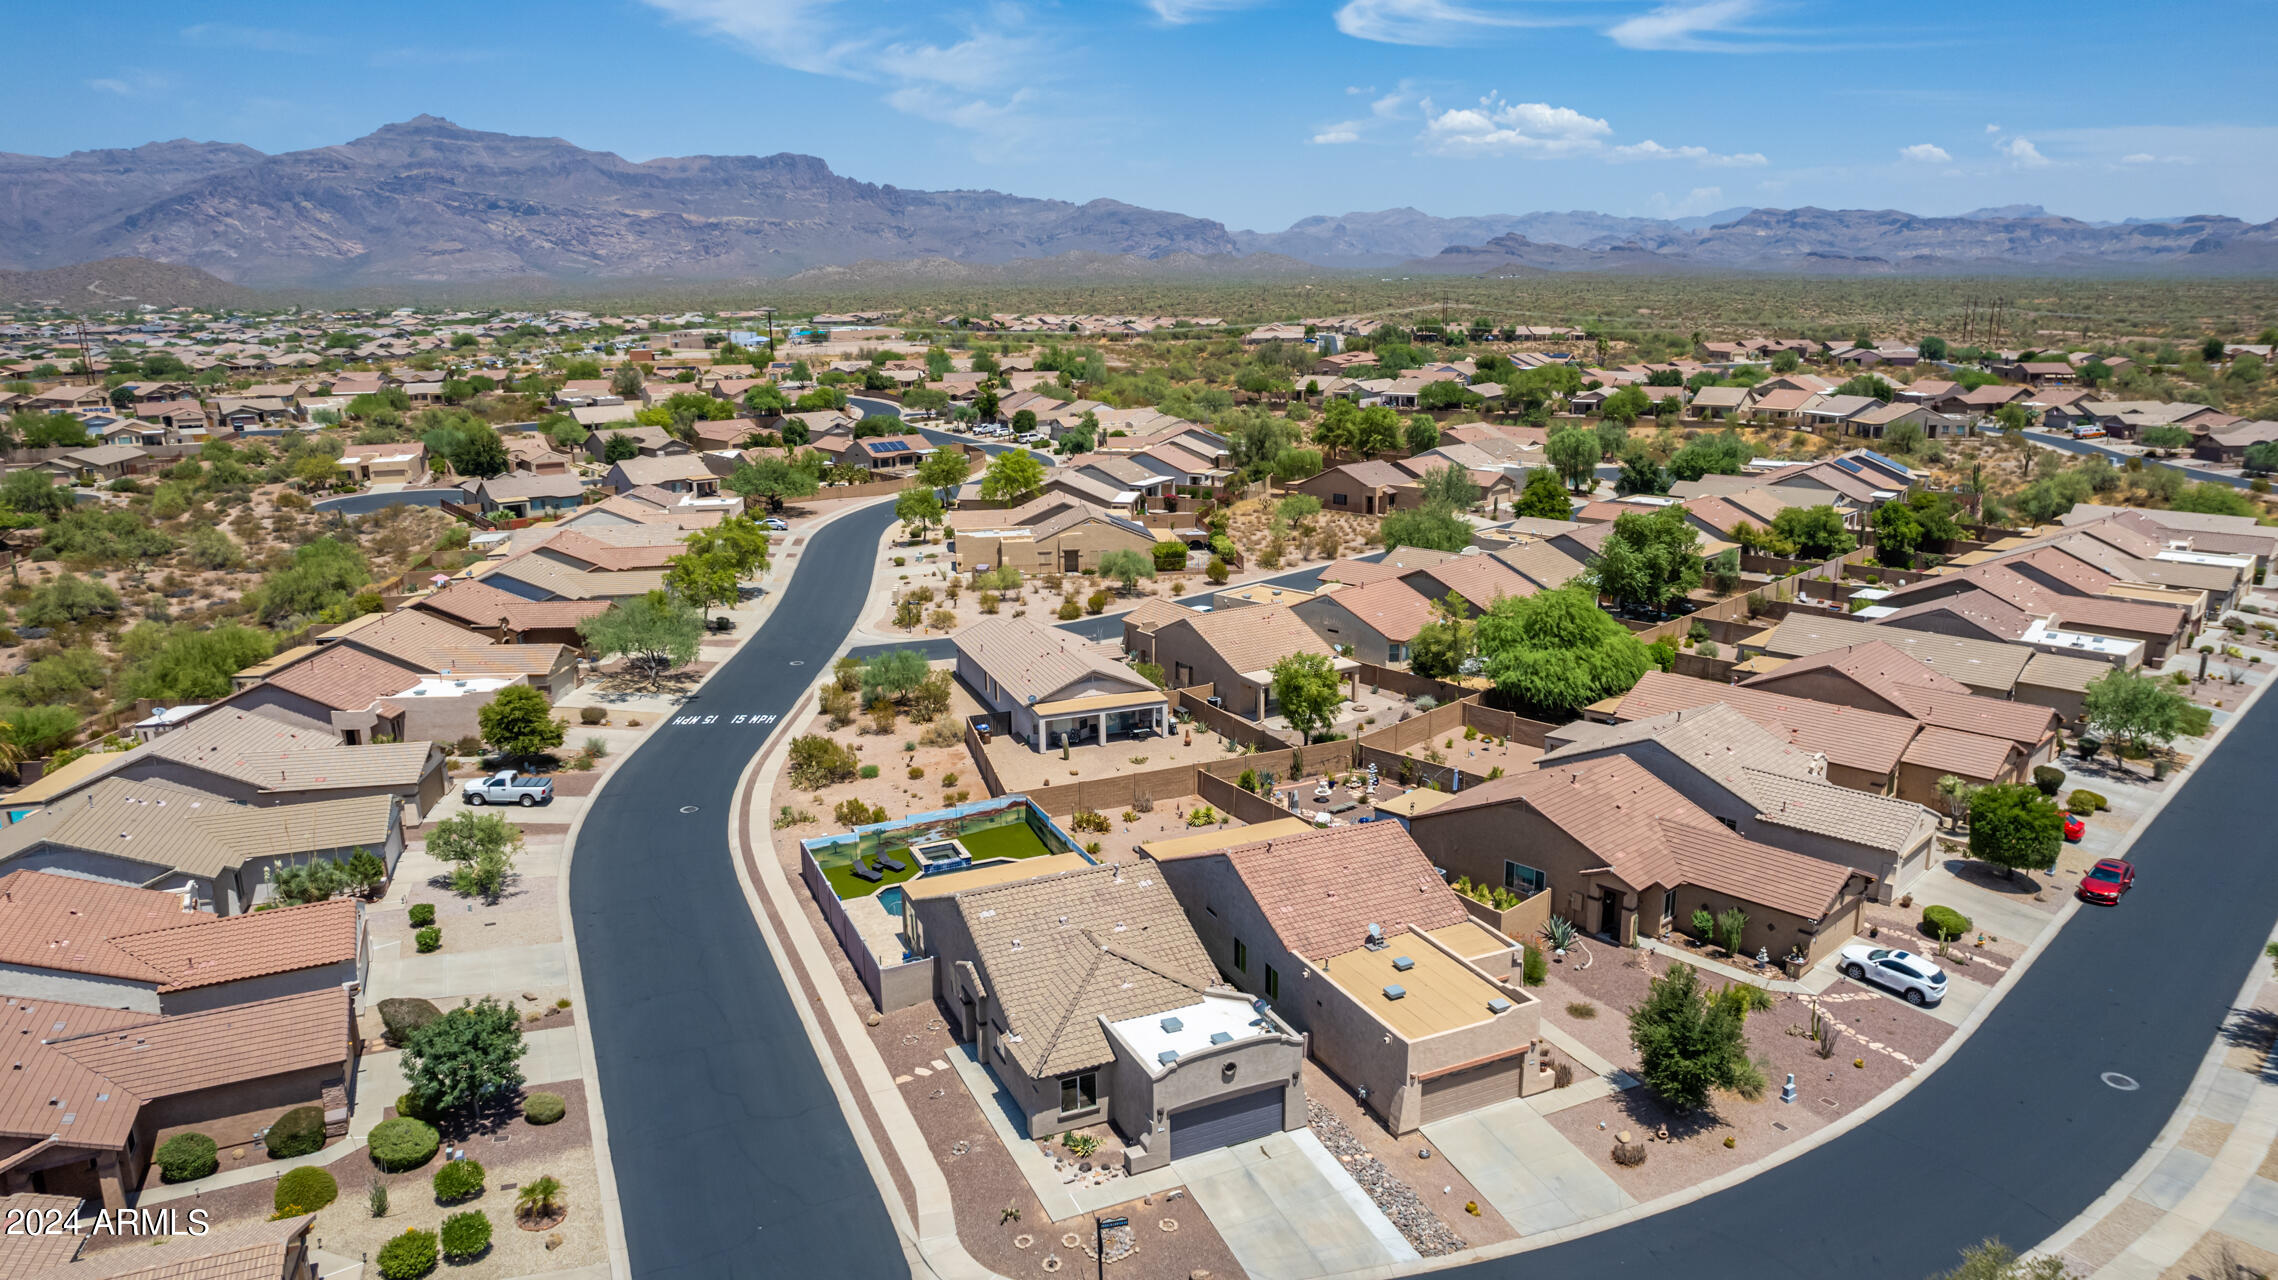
x,y
1375,938
1403,964
1173,1026
1221,1037
1167,1056
1395,992
1498,1005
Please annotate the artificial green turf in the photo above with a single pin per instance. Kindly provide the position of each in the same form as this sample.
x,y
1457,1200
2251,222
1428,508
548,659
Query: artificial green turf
x,y
1012,840
847,885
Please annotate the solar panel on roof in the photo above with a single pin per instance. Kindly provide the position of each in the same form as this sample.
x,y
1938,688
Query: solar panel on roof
x,y
1848,465
1898,467
889,446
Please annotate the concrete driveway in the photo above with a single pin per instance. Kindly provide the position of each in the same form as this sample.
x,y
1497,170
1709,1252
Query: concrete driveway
x,y
1527,1169
1289,1211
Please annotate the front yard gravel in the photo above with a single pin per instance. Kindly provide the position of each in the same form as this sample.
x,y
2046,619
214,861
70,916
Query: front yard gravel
x,y
1422,1227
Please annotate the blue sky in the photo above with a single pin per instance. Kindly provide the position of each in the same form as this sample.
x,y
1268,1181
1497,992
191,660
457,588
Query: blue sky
x,y
1254,112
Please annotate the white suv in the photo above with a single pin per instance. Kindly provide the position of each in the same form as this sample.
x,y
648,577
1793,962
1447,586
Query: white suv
x,y
1920,981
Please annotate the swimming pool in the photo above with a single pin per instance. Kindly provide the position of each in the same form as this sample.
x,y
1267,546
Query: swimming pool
x,y
890,898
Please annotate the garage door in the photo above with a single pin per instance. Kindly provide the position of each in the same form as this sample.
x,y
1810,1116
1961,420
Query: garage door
x,y
1208,1126
1481,1086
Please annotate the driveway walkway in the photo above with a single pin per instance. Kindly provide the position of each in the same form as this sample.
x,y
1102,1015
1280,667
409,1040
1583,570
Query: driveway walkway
x,y
1527,1169
1289,1211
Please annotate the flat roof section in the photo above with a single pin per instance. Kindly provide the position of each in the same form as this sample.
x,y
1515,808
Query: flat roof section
x,y
1471,940
1438,993
1217,841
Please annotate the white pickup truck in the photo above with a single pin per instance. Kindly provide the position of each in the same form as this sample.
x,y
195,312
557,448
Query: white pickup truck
x,y
509,787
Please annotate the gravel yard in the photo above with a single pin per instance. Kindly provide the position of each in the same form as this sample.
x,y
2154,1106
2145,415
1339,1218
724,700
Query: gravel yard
x,y
1436,1183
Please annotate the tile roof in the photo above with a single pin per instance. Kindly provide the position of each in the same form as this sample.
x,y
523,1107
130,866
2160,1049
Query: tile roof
x,y
1033,661
345,678
203,952
1911,688
568,582
1980,664
1481,580
1321,889
1869,741
27,1254
1393,564
1976,605
436,645
1062,952
1393,610
2062,671
577,544
279,757
642,469
167,825
256,1250
43,1092
1974,756
523,486
1253,639
1154,613
68,923
1541,563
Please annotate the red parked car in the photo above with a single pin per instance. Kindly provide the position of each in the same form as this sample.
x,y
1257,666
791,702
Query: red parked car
x,y
2074,828
2107,880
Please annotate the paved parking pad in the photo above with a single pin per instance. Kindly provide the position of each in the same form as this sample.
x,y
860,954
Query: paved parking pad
x,y
1289,1211
1528,1170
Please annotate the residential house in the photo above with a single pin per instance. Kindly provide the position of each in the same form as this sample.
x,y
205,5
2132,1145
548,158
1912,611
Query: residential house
x,y
1478,580
1625,856
1089,998
1352,937
1376,623
1235,654
1991,668
385,463
104,462
890,455
509,618
1047,687
1367,488
518,494
1071,540
648,442
118,946
673,473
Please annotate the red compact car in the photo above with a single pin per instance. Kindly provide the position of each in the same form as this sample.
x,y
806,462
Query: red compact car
x,y
2074,828
2107,880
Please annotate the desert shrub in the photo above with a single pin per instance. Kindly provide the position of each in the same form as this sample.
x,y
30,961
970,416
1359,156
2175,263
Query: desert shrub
x,y
2086,801
402,1016
186,1156
305,1190
1535,969
869,771
409,1103
458,1180
466,1235
942,733
1070,611
296,1133
422,914
817,761
402,1143
1088,820
592,715
408,1256
852,812
1944,922
544,1108
429,939
2048,778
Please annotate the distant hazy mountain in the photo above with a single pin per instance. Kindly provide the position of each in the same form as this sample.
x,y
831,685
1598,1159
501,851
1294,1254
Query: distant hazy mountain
x,y
427,203
119,282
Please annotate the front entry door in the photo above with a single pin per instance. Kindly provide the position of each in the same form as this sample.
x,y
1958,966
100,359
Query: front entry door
x,y
1609,916
1071,561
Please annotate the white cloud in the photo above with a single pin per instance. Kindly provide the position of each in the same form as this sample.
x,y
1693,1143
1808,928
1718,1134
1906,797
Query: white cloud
x,y
133,84
1651,150
1926,152
262,39
1993,128
1426,22
1697,201
1683,26
2141,157
1496,127
2022,153
962,83
1331,135
1181,12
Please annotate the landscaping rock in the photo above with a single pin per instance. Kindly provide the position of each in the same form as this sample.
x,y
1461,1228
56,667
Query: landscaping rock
x,y
1399,1201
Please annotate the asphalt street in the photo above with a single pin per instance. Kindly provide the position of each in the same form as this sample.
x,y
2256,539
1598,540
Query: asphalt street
x,y
2070,445
731,1155
733,1158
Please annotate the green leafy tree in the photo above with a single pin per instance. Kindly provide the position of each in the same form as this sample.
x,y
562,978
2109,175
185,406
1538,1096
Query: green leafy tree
x,y
519,723
1012,475
704,577
1817,533
1688,1042
1544,497
478,453
1723,454
625,381
657,631
32,732
324,573
918,509
481,849
2262,459
772,480
183,664
1639,472
68,599
2209,497
34,493
1441,647
468,1057
1127,567
1434,525
945,469
617,446
1307,688
1649,560
2133,710
1557,651
2013,825
1450,486
1574,453
1423,433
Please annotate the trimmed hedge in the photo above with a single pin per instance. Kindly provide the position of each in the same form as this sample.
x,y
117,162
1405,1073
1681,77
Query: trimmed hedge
x,y
402,1016
429,939
466,1235
1534,969
408,1256
296,1133
2086,801
305,1190
403,1143
544,1108
186,1157
422,914
2048,778
458,1180
1944,922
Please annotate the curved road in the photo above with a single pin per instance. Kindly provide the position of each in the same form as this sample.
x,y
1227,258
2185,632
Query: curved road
x,y
733,1158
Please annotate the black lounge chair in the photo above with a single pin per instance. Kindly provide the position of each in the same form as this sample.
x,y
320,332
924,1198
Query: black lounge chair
x,y
892,863
864,871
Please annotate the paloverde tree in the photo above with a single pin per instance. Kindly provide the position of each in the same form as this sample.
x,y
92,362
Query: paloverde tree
x,y
658,631
774,480
1127,567
1013,474
2133,710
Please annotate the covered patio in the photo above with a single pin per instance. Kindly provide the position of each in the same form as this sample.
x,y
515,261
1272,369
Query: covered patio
x,y
1259,691
1102,718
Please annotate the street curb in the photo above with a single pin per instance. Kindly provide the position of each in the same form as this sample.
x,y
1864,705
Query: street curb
x,y
620,1260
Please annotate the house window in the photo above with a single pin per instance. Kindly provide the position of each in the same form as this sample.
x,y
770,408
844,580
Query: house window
x,y
1669,904
1523,879
1396,653
1730,823
1241,956
1078,1094
1337,500
1273,984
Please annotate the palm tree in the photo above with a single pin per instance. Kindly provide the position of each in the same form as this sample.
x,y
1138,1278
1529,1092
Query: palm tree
x,y
541,1197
